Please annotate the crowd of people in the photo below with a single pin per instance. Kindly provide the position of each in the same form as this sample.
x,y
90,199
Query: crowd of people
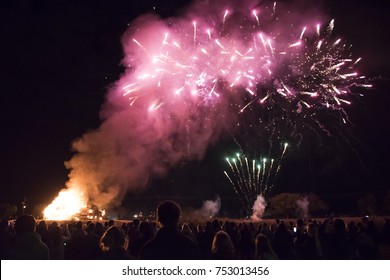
x,y
169,239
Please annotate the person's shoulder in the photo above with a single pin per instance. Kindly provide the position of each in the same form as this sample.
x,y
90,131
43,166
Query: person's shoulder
x,y
149,249
188,244
149,245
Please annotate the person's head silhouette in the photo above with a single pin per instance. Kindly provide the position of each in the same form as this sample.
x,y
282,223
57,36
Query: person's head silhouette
x,y
168,213
113,237
24,224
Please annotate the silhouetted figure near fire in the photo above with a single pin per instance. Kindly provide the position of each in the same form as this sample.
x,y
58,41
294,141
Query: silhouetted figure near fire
x,y
89,247
27,244
169,243
99,229
147,233
43,231
114,244
134,232
74,248
57,241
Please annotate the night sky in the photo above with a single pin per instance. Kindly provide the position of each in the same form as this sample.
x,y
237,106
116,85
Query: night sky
x,y
58,59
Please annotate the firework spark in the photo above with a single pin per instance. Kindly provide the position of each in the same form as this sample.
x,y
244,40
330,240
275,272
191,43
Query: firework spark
x,y
190,79
286,80
251,178
315,71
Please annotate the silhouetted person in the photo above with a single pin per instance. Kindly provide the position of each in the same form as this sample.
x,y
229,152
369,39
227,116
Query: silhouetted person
x,y
231,229
74,248
169,243
134,232
57,240
27,244
42,229
264,250
386,231
311,248
352,234
89,247
206,241
5,239
222,248
246,243
99,229
372,231
283,243
340,248
147,232
124,227
216,225
300,236
186,230
366,246
266,230
114,245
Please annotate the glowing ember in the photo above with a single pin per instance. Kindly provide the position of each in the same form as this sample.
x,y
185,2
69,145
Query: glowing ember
x,y
91,213
68,203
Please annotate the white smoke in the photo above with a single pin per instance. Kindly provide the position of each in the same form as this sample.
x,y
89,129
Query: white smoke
x,y
210,208
303,207
258,208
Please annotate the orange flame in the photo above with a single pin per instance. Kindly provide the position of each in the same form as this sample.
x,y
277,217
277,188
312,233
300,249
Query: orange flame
x,y
66,205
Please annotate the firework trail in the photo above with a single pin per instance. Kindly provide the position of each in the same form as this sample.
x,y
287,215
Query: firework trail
x,y
186,82
251,180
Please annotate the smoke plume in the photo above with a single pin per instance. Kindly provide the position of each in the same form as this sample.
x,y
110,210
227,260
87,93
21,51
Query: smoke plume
x,y
303,207
259,208
209,209
153,117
